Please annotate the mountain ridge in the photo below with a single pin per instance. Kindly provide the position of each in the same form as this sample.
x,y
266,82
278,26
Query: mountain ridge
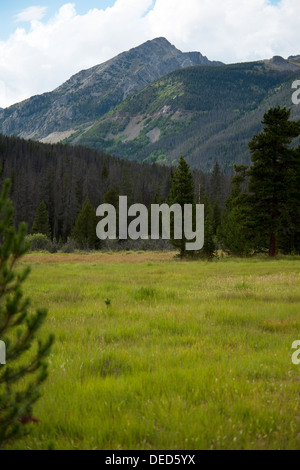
x,y
206,114
91,93
154,103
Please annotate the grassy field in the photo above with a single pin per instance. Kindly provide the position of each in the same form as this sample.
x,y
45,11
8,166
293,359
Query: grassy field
x,y
153,353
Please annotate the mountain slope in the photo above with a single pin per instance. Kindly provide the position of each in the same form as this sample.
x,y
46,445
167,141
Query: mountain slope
x,y
92,93
204,113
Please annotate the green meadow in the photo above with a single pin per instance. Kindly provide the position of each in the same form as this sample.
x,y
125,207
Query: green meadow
x,y
155,353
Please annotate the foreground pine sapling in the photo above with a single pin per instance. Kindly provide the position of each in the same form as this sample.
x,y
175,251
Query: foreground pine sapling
x,y
26,366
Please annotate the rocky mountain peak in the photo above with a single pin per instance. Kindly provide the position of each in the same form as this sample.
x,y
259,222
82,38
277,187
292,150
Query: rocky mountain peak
x,y
91,93
281,64
292,57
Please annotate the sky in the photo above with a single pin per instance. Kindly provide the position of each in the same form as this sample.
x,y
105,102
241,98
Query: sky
x,y
44,42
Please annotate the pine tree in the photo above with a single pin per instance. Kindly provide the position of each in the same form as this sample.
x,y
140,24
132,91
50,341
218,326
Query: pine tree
x,y
216,183
238,233
127,186
216,217
273,180
209,248
41,222
289,236
182,192
84,232
112,197
26,367
104,172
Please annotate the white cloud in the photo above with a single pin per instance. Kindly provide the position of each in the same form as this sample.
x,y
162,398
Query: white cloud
x,y
232,30
31,14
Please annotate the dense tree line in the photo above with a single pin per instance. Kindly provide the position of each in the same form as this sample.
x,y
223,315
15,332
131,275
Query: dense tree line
x,y
57,188
51,183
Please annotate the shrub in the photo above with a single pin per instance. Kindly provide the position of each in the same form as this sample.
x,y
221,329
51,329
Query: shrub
x,y
40,242
69,247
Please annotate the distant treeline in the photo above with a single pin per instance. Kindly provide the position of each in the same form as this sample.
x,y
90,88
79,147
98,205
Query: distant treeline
x,y
63,177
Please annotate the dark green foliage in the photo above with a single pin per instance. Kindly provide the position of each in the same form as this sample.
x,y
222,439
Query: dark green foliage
x,y
182,192
237,232
216,217
216,182
40,242
112,197
41,222
26,367
274,179
104,171
70,174
289,236
209,248
84,232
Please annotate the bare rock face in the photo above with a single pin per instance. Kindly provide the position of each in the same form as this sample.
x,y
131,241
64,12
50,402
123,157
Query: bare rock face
x,y
282,65
91,93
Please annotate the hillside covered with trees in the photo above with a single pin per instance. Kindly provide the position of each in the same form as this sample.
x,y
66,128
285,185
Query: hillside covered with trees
x,y
206,114
51,183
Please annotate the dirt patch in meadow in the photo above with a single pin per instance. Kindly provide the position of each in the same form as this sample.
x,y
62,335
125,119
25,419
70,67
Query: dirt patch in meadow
x,y
106,258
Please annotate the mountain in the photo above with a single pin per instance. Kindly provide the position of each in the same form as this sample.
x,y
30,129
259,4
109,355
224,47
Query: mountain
x,y
91,93
295,59
282,65
155,103
203,113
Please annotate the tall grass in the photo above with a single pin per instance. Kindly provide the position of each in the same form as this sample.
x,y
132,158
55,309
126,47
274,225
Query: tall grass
x,y
186,355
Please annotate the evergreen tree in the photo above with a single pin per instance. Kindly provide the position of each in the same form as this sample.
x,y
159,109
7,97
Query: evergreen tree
x,y
209,247
127,186
41,222
216,183
273,176
26,367
112,197
289,236
216,217
237,232
182,192
104,172
84,232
